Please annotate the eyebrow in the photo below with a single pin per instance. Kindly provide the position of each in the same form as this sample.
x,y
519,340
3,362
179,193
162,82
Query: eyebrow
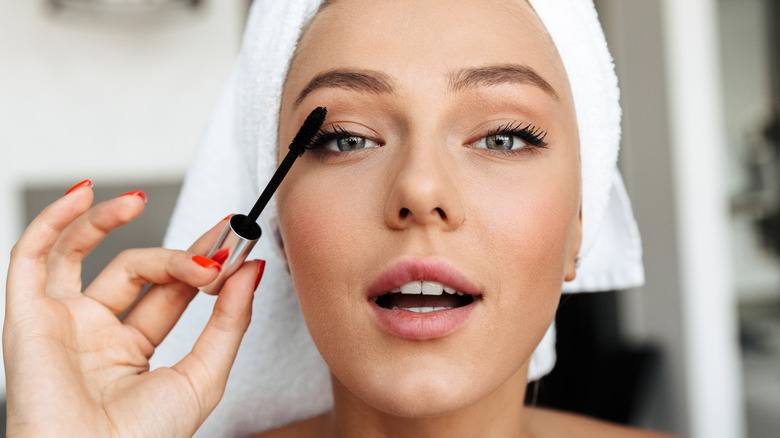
x,y
376,82
358,80
498,74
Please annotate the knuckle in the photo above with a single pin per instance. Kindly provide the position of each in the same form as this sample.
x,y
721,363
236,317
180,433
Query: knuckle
x,y
15,250
70,255
22,251
131,254
125,256
126,261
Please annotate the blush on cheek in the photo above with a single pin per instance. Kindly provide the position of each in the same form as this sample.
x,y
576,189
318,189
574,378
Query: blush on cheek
x,y
308,234
320,239
533,239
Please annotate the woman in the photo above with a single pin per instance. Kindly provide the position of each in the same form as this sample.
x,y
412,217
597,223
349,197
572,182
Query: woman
x,y
450,162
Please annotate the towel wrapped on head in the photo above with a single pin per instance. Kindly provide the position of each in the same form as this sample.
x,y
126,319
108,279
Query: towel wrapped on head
x,y
278,376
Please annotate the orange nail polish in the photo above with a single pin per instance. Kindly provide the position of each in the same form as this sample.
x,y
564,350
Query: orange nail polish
x,y
221,255
206,262
85,183
135,193
228,217
260,270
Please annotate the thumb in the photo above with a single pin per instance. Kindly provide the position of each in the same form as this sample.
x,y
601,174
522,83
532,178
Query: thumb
x,y
208,365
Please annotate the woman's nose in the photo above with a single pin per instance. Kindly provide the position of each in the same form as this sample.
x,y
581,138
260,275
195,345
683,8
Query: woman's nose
x,y
424,192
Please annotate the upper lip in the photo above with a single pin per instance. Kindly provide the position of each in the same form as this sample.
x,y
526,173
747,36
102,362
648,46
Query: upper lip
x,y
421,269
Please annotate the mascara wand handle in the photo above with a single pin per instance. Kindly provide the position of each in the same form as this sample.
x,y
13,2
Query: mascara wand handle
x,y
269,190
231,249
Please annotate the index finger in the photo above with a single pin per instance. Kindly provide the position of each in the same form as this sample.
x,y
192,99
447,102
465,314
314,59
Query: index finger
x,y
206,241
27,268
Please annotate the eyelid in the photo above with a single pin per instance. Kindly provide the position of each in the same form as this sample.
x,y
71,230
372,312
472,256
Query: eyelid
x,y
334,132
532,135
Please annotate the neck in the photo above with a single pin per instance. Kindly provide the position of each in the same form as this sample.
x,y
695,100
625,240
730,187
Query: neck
x,y
500,414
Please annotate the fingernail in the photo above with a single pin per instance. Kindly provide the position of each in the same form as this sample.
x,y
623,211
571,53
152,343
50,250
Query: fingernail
x,y
228,217
206,262
85,183
135,193
260,269
221,255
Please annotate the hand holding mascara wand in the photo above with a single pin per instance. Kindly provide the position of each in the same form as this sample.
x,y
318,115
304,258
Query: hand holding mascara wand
x,y
242,231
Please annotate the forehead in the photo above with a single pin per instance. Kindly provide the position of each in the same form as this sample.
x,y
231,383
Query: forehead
x,y
423,40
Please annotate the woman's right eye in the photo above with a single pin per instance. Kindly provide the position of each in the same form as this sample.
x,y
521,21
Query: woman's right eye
x,y
351,143
339,140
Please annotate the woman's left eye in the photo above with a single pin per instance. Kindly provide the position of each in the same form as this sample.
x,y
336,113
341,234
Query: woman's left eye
x,y
500,142
513,138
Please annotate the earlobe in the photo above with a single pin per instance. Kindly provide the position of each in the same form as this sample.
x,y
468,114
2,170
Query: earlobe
x,y
282,250
573,258
278,241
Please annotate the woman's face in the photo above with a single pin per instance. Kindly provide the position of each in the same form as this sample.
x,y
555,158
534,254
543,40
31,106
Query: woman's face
x,y
449,157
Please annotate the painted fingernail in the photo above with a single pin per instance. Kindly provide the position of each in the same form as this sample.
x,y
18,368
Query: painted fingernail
x,y
135,193
221,255
206,262
260,269
85,183
228,217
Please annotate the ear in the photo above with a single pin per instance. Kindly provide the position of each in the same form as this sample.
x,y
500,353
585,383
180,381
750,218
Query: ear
x,y
278,242
280,245
573,258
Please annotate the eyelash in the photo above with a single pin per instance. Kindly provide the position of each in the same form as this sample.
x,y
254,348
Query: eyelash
x,y
531,134
323,136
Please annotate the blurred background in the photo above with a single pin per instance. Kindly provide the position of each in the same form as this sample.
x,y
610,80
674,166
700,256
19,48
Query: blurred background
x,y
119,91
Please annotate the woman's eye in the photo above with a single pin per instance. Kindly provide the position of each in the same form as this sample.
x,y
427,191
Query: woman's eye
x,y
349,143
500,142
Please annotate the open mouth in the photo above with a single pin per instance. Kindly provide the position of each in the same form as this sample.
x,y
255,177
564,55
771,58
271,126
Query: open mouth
x,y
424,297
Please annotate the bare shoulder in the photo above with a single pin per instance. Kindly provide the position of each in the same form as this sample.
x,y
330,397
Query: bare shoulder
x,y
547,422
542,423
313,427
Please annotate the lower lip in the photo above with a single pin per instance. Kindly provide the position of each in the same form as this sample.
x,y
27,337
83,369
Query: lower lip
x,y
421,326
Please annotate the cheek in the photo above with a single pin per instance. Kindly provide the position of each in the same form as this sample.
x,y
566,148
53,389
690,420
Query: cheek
x,y
535,233
527,230
530,227
316,233
324,228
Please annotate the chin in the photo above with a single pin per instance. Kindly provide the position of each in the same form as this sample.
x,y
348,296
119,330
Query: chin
x,y
422,400
421,393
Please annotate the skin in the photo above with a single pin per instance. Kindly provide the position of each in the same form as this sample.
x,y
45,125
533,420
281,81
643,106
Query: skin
x,y
510,223
73,369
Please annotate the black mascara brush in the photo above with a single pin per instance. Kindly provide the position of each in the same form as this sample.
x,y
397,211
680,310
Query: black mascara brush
x,y
242,232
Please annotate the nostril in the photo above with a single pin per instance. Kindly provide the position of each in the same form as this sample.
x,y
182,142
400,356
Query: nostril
x,y
442,214
404,213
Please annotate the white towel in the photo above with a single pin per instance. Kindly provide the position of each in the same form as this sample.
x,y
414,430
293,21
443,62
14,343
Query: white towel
x,y
278,376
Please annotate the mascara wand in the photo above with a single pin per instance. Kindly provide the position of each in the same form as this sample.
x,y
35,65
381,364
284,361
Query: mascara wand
x,y
242,231
298,146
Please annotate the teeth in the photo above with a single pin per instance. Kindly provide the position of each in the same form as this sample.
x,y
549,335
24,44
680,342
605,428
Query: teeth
x,y
413,287
421,309
425,288
432,288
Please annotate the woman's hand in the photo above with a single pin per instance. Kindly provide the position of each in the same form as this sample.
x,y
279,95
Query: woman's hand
x,y
73,368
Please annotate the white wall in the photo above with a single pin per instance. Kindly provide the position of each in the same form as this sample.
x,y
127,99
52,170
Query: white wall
x,y
110,97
